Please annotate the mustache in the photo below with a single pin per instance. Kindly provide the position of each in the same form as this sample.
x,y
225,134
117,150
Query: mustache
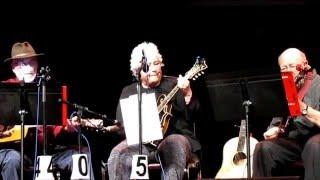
x,y
153,74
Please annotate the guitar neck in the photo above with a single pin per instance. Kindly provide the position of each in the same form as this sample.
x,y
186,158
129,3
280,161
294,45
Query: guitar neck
x,y
193,73
168,98
242,136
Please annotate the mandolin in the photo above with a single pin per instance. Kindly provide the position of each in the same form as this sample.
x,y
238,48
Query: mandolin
x,y
164,107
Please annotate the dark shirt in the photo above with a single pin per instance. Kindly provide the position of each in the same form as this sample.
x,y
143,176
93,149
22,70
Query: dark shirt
x,y
179,123
301,128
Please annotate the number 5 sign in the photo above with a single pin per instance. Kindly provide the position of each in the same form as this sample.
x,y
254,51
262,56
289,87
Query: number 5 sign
x,y
139,167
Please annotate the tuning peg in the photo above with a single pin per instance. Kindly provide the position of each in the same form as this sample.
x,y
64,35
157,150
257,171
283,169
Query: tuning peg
x,y
237,126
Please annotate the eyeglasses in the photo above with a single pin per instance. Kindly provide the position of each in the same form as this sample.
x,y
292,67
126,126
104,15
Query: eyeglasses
x,y
16,62
155,63
289,66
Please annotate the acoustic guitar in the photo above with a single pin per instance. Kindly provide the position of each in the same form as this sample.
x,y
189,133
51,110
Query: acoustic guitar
x,y
14,134
234,163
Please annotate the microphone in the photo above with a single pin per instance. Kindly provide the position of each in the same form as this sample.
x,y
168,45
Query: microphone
x,y
144,64
84,108
73,105
44,73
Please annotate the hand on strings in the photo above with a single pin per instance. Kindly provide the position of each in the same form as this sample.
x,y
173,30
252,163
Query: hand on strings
x,y
302,104
5,131
73,124
184,85
271,133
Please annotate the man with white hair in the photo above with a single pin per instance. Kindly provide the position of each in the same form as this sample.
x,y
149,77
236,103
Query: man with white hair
x,y
301,140
178,144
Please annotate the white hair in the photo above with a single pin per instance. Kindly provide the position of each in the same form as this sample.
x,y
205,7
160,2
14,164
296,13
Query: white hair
x,y
150,51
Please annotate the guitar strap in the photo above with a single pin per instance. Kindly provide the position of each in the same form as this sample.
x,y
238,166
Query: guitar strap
x,y
309,76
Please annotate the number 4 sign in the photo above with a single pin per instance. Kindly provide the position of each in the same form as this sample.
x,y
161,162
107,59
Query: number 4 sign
x,y
44,169
139,167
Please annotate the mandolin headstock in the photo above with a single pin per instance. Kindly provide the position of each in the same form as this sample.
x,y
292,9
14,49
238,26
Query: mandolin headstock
x,y
198,69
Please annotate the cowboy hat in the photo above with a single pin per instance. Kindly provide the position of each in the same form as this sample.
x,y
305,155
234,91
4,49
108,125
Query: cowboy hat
x,y
22,50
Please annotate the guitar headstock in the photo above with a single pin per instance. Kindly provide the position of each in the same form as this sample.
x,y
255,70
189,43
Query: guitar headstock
x,y
197,69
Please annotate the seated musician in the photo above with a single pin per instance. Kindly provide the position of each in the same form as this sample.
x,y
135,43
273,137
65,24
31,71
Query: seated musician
x,y
300,139
176,148
24,64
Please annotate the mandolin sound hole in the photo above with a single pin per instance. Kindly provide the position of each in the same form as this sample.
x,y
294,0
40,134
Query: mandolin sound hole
x,y
239,158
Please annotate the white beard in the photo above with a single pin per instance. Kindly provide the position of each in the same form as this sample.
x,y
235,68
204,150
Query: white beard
x,y
27,78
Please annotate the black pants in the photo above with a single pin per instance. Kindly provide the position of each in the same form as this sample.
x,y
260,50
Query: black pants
x,y
271,156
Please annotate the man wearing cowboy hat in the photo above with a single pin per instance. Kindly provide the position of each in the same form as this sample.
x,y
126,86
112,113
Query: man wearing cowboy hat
x,y
24,64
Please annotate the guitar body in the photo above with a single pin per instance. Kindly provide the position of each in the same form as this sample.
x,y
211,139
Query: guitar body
x,y
14,134
165,114
164,100
234,163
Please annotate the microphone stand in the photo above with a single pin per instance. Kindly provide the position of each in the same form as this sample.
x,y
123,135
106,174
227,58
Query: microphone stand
x,y
143,63
139,113
246,103
43,77
79,114
22,113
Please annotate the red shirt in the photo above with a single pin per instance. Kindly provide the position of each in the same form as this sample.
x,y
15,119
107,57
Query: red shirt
x,y
53,131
